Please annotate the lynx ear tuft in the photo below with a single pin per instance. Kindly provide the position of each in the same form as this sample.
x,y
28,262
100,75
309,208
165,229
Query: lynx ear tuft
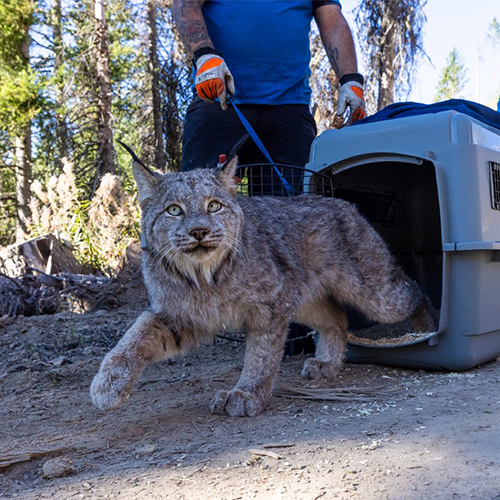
x,y
227,171
226,174
147,180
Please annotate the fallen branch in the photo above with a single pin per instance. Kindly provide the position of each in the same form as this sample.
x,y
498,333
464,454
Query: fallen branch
x,y
13,280
265,453
44,293
277,445
25,456
358,394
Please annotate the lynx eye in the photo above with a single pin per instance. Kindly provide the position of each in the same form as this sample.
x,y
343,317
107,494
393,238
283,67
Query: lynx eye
x,y
214,206
174,210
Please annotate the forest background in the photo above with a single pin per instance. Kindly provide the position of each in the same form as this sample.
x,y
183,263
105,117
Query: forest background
x,y
76,75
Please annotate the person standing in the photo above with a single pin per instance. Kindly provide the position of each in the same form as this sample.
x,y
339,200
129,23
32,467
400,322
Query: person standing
x,y
258,52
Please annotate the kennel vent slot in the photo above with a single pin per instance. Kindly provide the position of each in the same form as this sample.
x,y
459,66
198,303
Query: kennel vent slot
x,y
495,184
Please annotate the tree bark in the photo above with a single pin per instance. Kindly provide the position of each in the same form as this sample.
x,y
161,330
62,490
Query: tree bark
x,y
154,68
387,57
23,183
23,164
61,126
105,161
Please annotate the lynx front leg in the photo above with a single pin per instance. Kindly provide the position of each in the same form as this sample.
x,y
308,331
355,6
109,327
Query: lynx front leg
x,y
147,340
330,320
263,354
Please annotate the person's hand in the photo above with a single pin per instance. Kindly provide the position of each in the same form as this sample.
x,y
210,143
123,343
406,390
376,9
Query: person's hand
x,y
351,95
213,79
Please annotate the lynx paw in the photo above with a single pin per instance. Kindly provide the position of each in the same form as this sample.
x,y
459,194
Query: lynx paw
x,y
111,387
316,369
236,403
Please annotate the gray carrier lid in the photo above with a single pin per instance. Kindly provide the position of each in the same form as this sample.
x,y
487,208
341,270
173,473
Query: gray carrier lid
x,y
412,136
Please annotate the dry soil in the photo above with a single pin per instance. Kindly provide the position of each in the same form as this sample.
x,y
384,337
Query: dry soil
x,y
432,435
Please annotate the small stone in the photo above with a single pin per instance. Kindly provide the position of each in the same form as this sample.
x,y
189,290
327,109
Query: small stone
x,y
58,467
59,361
146,450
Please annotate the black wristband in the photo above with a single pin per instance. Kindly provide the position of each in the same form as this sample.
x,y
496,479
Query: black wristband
x,y
203,52
352,77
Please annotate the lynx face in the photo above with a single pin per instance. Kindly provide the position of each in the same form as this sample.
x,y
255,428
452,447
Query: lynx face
x,y
191,220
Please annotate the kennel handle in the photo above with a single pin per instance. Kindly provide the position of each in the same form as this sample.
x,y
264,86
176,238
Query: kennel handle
x,y
461,246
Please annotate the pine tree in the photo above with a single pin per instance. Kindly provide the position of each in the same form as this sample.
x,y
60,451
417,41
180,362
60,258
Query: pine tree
x,y
91,89
19,98
61,131
391,35
453,77
106,161
154,73
175,84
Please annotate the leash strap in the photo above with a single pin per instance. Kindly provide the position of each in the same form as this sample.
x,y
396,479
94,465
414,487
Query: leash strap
x,y
260,145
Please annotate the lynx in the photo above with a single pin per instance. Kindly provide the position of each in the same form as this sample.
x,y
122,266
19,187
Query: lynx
x,y
215,261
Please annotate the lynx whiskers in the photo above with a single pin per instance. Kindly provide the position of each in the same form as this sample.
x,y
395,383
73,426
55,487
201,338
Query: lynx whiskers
x,y
214,261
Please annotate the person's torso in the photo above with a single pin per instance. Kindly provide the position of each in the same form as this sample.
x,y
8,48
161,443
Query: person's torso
x,y
265,44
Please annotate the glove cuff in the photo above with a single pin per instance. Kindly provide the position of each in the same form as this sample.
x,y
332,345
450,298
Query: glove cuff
x,y
203,52
352,77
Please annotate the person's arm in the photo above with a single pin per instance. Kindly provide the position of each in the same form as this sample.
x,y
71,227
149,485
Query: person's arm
x,y
337,39
339,45
191,24
213,79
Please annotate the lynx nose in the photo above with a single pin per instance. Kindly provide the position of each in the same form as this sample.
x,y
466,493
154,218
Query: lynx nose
x,y
199,232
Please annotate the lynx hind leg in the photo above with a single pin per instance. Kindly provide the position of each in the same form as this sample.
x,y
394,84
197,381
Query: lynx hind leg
x,y
329,319
147,340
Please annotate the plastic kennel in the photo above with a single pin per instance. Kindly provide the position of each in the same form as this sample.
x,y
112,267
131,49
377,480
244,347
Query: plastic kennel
x,y
430,185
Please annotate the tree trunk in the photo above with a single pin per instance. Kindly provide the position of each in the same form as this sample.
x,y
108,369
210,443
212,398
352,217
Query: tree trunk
x,y
387,57
62,138
171,115
23,164
23,183
154,68
105,161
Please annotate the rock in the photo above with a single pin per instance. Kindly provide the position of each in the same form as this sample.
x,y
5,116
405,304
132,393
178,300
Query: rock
x,y
58,467
59,361
146,450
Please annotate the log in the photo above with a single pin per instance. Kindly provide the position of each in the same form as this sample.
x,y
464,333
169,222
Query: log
x,y
46,253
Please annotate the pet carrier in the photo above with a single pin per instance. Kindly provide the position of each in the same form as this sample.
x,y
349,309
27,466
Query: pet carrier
x,y
430,185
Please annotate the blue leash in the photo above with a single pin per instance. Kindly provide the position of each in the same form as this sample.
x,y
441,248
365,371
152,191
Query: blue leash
x,y
259,144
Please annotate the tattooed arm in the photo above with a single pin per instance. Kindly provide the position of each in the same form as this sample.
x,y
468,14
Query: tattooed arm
x,y
213,78
191,24
337,39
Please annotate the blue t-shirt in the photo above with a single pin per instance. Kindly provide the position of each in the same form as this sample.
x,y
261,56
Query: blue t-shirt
x,y
265,44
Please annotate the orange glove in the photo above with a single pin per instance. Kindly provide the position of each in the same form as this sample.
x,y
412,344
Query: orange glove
x,y
351,95
213,79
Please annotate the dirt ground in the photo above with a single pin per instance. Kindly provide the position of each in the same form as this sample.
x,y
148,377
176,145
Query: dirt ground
x,y
431,435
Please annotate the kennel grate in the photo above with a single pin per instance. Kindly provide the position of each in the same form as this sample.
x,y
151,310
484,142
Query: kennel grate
x,y
265,180
376,207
